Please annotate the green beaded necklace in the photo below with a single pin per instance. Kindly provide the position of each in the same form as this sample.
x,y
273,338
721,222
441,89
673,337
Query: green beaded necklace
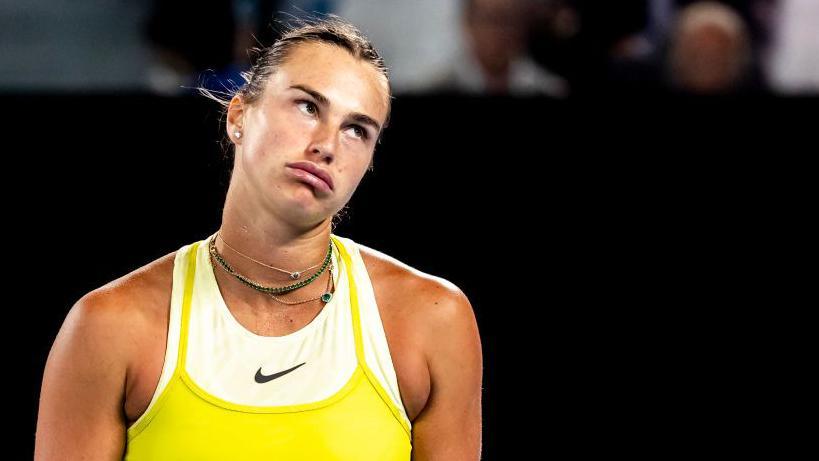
x,y
273,290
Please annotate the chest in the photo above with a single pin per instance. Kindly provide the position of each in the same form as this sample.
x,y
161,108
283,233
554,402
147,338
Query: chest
x,y
410,366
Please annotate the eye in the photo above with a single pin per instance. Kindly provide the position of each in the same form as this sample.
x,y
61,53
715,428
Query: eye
x,y
308,104
359,131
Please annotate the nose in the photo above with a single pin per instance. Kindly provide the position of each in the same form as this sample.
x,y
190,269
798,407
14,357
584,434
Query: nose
x,y
322,144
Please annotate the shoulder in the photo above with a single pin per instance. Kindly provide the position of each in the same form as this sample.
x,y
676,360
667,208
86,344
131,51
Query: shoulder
x,y
139,293
433,304
89,367
400,277
125,313
441,317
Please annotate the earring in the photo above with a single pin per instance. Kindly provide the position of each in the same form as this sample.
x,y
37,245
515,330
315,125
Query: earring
x,y
238,134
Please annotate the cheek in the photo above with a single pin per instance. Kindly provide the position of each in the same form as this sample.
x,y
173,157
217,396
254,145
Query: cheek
x,y
275,141
360,169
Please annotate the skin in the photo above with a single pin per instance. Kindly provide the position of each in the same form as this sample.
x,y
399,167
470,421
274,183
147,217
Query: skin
x,y
107,358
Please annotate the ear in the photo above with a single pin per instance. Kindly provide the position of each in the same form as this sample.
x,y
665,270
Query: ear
x,y
235,119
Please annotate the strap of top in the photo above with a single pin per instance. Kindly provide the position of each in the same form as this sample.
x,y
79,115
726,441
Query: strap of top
x,y
190,276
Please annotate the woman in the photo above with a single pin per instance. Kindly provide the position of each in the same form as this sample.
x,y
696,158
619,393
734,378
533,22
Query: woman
x,y
274,338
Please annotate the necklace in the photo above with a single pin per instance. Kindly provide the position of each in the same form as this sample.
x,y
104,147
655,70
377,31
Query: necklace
x,y
293,275
262,288
326,297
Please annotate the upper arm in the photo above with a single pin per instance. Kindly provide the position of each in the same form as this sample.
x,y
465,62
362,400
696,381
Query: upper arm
x,y
449,426
81,414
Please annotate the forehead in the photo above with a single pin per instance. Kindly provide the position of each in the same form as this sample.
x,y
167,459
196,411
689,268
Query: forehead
x,y
351,84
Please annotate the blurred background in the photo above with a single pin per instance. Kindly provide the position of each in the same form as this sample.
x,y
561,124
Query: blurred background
x,y
553,47
625,161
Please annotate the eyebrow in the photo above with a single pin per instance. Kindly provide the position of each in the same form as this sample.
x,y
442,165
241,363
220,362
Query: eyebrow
x,y
322,100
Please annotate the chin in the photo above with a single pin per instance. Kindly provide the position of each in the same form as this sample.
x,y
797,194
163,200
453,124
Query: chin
x,y
304,213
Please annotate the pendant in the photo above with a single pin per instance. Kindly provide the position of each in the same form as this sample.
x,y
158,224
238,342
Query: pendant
x,y
326,297
295,275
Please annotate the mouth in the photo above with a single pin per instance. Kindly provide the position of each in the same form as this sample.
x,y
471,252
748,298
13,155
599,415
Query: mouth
x,y
314,179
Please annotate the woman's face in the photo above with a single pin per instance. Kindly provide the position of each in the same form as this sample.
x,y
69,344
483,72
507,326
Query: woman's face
x,y
323,107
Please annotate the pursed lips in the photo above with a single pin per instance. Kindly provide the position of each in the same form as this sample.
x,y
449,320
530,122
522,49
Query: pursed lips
x,y
314,171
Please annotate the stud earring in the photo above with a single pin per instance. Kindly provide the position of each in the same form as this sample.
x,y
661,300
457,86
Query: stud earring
x,y
238,134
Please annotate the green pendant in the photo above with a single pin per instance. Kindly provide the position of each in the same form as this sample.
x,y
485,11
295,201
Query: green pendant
x,y
326,297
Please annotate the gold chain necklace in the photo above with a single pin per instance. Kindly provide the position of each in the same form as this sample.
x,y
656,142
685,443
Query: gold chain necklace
x,y
293,275
271,290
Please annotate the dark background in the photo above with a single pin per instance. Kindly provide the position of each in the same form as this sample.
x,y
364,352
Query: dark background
x,y
604,244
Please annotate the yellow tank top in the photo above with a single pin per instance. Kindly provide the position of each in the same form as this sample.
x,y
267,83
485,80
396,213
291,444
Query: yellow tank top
x,y
202,408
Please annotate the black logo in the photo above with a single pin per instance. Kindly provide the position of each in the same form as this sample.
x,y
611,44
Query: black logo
x,y
261,379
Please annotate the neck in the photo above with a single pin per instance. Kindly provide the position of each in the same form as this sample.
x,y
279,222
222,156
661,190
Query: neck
x,y
240,297
270,241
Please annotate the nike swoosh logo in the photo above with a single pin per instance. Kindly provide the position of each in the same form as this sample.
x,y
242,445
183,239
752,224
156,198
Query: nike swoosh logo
x,y
261,379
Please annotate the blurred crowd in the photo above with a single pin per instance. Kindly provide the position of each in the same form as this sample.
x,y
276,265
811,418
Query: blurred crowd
x,y
555,48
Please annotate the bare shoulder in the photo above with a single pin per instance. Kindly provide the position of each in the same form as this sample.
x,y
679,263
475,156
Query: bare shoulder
x,y
403,278
436,302
449,424
88,368
138,295
133,309
137,306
